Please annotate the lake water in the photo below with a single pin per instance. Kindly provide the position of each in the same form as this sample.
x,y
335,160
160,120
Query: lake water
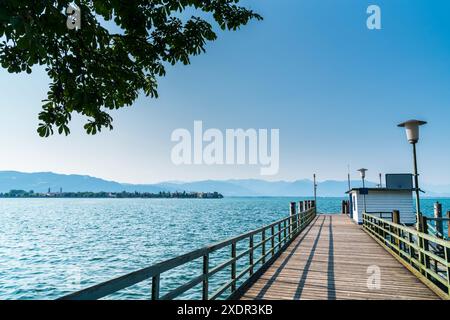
x,y
51,247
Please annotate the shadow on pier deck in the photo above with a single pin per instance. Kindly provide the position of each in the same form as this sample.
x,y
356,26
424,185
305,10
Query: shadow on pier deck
x,y
333,259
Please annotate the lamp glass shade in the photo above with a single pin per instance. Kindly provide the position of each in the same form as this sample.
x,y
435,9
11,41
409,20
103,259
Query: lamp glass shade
x,y
412,129
363,172
412,133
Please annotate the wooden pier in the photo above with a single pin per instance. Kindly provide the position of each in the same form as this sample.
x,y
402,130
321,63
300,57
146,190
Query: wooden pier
x,y
334,259
305,256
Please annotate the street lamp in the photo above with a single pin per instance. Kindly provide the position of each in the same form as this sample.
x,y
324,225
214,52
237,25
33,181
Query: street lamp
x,y
412,134
362,171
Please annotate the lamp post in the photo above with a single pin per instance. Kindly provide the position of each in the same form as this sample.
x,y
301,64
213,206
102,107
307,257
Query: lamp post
x,y
315,190
412,134
362,171
348,178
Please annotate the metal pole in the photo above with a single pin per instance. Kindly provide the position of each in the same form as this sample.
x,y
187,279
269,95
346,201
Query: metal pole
x,y
364,195
315,190
348,178
416,183
381,182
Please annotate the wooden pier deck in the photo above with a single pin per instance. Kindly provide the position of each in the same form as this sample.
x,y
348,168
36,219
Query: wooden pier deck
x,y
332,260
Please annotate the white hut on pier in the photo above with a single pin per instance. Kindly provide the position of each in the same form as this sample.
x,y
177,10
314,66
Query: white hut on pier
x,y
398,195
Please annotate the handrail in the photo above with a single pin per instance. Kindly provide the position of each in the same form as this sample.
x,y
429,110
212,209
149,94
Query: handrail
x,y
438,219
277,236
427,256
381,213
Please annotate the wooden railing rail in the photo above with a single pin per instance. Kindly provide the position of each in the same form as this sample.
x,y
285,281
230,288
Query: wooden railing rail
x,y
435,226
427,256
382,214
274,238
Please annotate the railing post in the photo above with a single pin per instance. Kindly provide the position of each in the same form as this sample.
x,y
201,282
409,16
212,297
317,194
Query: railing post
x,y
233,267
424,243
250,258
412,252
420,222
300,215
447,258
396,216
279,236
205,291
439,222
448,224
424,224
396,220
272,239
292,212
303,218
263,250
155,287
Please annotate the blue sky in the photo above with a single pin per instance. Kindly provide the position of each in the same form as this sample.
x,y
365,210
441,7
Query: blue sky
x,y
312,69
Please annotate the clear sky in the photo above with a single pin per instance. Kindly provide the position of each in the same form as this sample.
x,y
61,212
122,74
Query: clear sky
x,y
312,69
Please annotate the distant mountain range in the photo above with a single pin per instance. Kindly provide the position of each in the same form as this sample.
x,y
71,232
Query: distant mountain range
x,y
42,181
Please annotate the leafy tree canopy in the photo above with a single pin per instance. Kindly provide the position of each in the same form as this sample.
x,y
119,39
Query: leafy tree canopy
x,y
93,70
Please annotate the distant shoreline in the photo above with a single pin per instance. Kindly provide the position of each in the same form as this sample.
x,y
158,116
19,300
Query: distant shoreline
x,y
2,196
13,194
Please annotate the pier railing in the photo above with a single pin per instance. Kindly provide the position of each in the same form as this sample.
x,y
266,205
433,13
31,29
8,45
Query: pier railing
x,y
262,247
426,256
386,215
435,226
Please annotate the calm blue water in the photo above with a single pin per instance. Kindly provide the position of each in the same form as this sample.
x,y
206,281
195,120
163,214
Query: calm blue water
x,y
50,247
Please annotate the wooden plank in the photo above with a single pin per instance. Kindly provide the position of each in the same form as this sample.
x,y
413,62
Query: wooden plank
x,y
331,261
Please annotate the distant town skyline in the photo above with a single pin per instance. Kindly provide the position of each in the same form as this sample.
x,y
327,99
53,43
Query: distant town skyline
x,y
50,182
312,69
